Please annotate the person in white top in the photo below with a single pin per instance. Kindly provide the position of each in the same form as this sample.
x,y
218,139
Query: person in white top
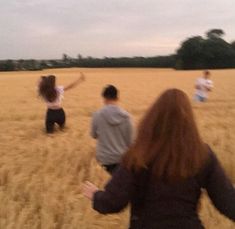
x,y
203,85
53,96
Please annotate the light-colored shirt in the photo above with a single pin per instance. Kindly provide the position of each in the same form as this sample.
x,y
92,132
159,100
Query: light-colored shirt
x,y
57,102
203,85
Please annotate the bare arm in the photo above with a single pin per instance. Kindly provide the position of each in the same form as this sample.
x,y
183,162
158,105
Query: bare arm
x,y
76,82
209,87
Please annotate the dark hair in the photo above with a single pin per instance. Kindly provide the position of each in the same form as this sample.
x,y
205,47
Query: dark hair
x,y
47,88
168,141
110,92
207,72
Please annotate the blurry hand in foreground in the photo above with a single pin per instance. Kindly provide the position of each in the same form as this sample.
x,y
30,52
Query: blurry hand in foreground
x,y
89,190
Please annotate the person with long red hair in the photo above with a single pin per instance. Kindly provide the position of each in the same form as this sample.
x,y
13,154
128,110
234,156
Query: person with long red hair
x,y
163,173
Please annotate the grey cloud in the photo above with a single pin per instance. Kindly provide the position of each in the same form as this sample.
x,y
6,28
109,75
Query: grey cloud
x,y
48,28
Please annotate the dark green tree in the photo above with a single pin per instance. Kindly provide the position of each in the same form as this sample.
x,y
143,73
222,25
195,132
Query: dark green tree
x,y
190,54
215,33
233,44
200,53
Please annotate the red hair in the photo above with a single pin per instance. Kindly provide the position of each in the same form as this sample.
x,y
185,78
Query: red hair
x,y
168,140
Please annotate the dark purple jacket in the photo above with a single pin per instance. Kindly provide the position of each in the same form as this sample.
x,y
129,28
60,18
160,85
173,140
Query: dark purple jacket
x,y
159,205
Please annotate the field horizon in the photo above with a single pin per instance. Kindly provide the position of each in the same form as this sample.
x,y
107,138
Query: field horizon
x,y
41,175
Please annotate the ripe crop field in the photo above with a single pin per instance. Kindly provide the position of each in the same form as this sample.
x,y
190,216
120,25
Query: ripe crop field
x,y
41,175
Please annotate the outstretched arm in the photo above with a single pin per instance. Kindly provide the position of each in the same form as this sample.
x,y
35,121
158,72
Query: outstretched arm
x,y
220,188
116,194
76,82
209,85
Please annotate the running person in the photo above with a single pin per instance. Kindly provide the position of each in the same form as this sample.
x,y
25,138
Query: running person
x,y
113,130
163,173
53,96
203,85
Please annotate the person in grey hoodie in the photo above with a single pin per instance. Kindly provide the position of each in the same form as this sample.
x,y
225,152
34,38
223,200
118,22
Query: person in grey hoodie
x,y
112,127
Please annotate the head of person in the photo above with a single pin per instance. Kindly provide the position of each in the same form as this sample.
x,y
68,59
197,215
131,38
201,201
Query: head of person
x,y
47,88
206,74
168,141
110,94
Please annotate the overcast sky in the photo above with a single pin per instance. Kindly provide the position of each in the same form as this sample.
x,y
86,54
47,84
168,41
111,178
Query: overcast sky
x,y
48,28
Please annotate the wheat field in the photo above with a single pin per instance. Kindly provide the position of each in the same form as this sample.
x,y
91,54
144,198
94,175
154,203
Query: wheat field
x,y
41,175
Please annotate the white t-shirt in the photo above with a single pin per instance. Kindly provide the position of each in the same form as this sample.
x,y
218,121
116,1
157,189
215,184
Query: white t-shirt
x,y
57,102
203,85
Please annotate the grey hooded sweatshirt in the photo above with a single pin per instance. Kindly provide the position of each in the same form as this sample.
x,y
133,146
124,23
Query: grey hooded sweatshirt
x,y
112,127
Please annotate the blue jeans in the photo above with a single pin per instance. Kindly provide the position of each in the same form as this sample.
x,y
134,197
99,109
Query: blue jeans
x,y
199,98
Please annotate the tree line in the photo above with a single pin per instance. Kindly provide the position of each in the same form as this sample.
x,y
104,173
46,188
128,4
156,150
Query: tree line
x,y
210,52
197,52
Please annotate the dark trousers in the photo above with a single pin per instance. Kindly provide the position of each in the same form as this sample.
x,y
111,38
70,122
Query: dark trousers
x,y
54,116
111,168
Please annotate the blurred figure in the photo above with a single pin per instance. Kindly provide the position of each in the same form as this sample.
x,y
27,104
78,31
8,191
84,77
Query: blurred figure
x,y
203,85
163,173
53,95
112,128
